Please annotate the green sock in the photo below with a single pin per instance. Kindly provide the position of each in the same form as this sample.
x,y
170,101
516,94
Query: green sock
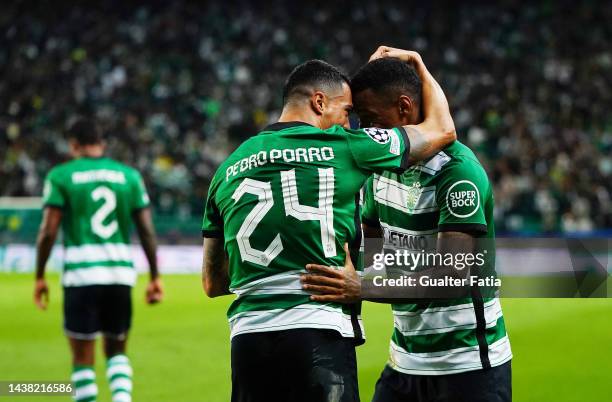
x,y
119,374
84,381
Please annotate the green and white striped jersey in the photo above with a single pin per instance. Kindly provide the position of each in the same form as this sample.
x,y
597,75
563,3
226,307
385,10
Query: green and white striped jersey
x,y
448,192
97,197
287,197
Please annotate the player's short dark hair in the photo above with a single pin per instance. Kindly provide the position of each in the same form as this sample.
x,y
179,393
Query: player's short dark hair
x,y
312,75
388,77
84,131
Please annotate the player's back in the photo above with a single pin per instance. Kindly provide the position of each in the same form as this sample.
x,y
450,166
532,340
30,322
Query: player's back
x,y
285,198
97,197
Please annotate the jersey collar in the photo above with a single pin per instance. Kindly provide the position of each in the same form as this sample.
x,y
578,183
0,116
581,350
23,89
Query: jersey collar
x,y
281,125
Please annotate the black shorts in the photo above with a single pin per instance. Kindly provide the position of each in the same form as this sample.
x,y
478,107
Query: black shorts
x,y
90,310
297,365
489,385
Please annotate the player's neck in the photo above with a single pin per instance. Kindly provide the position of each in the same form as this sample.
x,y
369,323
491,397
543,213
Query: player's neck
x,y
291,114
91,151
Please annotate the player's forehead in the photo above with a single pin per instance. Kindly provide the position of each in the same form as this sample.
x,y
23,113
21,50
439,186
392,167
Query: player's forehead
x,y
369,102
344,96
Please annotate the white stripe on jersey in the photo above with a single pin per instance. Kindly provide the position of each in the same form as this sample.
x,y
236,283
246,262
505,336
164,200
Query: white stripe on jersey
x,y
447,361
284,283
302,316
395,195
435,164
431,232
99,276
445,319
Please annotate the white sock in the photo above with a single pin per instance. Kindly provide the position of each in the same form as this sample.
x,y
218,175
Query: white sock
x,y
84,381
119,374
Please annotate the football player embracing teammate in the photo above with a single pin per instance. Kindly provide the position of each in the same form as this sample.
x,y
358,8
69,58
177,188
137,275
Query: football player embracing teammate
x,y
449,349
289,196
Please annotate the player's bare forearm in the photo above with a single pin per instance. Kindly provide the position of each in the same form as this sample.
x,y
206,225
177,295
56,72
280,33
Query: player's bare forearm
x,y
47,233
435,106
426,142
148,239
437,129
215,269
448,243
342,287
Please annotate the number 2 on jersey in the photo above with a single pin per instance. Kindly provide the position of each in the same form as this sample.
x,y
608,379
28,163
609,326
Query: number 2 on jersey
x,y
109,205
324,213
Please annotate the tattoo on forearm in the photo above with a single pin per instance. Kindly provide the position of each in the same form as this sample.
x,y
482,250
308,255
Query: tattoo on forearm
x,y
215,264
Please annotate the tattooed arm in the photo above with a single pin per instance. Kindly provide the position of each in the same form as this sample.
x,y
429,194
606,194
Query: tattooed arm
x,y
215,272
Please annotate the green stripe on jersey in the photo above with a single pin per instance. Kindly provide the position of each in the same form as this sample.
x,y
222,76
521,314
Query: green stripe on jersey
x,y
109,264
423,307
446,341
271,302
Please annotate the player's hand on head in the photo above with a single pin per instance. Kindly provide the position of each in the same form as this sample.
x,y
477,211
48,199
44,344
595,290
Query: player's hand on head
x,y
333,285
41,294
408,56
155,291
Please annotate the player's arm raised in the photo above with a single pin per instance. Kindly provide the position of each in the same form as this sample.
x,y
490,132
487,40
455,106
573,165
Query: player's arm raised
x,y
47,234
146,232
215,272
437,129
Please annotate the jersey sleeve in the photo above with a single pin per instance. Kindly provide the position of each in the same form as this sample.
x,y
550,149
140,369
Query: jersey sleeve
x,y
369,213
53,193
212,224
140,197
377,149
461,197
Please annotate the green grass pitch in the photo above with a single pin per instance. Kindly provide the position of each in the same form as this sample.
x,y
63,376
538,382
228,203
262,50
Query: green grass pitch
x,y
180,349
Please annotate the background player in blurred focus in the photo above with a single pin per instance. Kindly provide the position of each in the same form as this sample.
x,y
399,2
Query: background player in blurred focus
x,y
285,197
95,199
449,350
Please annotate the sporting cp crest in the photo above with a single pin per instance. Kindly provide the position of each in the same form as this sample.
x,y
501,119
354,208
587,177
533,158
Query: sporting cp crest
x,y
380,135
412,195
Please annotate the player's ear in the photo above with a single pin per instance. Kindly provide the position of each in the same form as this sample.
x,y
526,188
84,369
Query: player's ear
x,y
405,105
407,109
74,147
317,102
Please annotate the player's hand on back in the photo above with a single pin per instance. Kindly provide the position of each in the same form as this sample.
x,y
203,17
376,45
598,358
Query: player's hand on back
x,y
333,285
155,291
41,294
408,56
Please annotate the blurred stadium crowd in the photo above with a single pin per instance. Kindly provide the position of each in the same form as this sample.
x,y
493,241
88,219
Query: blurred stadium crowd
x,y
177,85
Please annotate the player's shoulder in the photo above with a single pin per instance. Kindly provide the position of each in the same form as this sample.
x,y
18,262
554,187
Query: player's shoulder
x,y
113,164
63,168
380,135
458,156
462,164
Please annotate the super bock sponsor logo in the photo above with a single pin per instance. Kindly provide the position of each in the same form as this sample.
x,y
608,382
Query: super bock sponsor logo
x,y
463,199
